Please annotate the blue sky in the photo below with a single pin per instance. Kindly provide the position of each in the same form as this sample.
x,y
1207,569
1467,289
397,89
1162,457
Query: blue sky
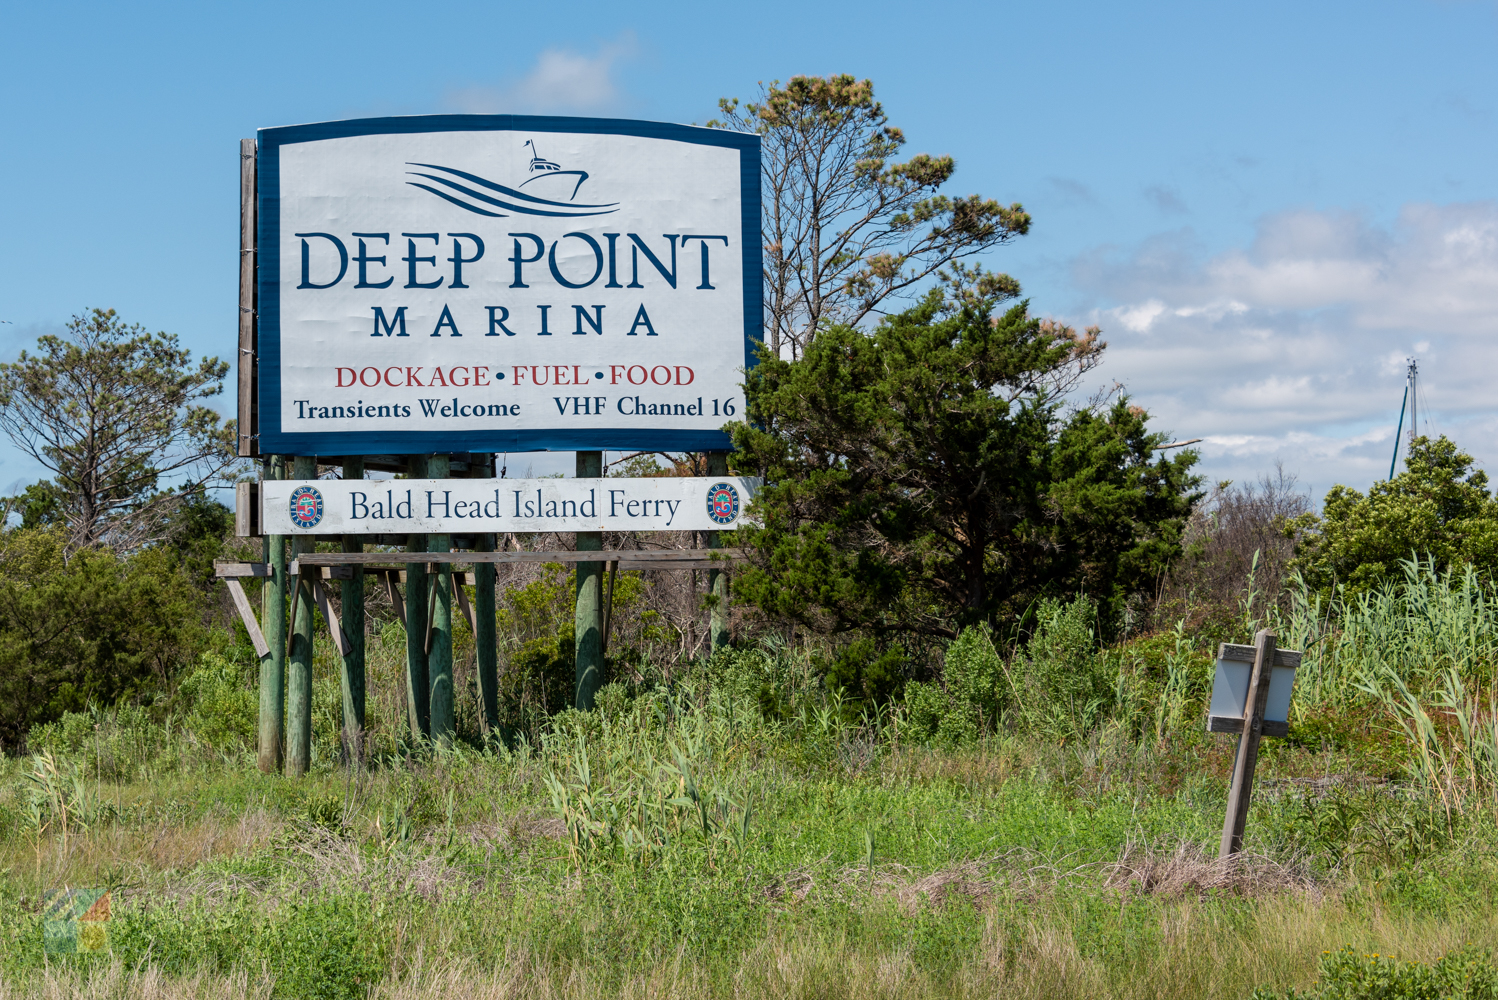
x,y
1266,206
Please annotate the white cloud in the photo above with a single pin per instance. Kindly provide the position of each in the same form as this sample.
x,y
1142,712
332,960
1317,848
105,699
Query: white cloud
x,y
561,80
1294,346
1138,318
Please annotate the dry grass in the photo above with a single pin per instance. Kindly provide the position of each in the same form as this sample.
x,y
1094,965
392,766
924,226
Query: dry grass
x,y
1187,872
115,982
1181,872
1197,951
138,855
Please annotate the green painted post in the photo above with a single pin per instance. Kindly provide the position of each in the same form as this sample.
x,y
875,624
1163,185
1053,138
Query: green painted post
x,y
589,608
353,627
273,667
418,693
485,642
299,663
440,652
717,580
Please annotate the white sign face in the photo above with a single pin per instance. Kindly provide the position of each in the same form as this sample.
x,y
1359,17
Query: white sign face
x,y
468,506
502,283
1230,691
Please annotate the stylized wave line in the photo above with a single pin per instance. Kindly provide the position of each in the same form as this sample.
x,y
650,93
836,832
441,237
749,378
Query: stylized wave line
x,y
568,210
511,192
499,202
461,204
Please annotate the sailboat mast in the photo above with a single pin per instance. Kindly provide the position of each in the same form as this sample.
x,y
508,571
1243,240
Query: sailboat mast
x,y
1411,373
1414,375
1393,459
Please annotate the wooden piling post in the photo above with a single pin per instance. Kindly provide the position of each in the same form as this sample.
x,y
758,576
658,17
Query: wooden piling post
x,y
299,662
273,666
249,262
589,607
1241,792
440,628
418,690
485,641
353,626
717,580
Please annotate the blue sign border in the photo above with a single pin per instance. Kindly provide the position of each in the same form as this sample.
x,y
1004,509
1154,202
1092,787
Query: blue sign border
x,y
274,441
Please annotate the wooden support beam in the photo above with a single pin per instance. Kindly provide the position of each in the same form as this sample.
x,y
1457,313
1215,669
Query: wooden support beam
x,y
439,641
1241,792
296,596
1228,724
717,580
247,615
400,574
335,627
390,577
608,606
485,639
418,686
247,444
588,609
459,581
352,677
433,582
230,570
302,566
1245,654
299,657
272,723
247,510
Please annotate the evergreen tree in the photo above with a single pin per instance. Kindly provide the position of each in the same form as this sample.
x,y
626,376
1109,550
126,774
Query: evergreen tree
x,y
925,476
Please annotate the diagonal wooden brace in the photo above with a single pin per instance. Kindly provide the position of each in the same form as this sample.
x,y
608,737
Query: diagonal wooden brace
x,y
434,582
608,604
335,627
459,579
241,602
391,576
296,595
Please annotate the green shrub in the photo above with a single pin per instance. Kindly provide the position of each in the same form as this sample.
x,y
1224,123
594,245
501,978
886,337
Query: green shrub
x,y
1467,974
539,679
111,745
934,718
325,950
968,700
223,711
865,675
1062,684
974,673
94,628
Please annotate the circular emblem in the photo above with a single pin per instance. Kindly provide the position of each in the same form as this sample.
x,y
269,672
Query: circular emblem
x,y
723,503
306,506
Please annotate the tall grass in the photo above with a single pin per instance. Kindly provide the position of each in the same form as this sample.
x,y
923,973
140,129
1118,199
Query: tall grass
x,y
736,827
1419,652
1420,629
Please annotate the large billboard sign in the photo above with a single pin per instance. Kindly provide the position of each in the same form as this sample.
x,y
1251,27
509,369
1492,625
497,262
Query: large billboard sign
x,y
493,283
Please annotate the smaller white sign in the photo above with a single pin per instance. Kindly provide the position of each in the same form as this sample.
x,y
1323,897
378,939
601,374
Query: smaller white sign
x,y
1230,691
469,506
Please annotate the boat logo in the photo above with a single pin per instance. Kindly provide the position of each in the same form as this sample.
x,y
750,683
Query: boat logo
x,y
549,190
306,507
723,503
